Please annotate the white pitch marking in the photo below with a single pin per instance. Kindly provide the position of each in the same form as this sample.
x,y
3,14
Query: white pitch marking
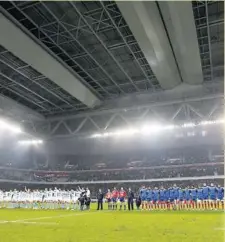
x,y
58,216
219,228
42,218
26,222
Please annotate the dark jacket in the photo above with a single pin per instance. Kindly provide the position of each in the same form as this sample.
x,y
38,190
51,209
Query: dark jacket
x,y
100,196
138,201
130,195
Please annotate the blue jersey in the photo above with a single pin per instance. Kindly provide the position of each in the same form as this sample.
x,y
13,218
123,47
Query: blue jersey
x,y
162,194
212,192
205,192
143,193
181,194
167,195
194,194
200,193
171,194
220,193
148,194
155,194
187,194
176,192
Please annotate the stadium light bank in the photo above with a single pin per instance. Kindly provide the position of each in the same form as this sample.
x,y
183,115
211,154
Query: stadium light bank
x,y
154,128
7,126
30,142
10,127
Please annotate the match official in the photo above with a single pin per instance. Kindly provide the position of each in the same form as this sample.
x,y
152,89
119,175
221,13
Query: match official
x,y
100,197
130,199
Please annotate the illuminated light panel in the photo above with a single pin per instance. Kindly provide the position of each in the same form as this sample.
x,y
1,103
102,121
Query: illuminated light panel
x,y
170,127
151,129
210,122
10,127
155,128
127,132
189,125
191,134
204,133
96,135
30,142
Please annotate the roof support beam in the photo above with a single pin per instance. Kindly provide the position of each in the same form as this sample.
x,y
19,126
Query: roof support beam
x,y
179,20
182,93
145,22
21,45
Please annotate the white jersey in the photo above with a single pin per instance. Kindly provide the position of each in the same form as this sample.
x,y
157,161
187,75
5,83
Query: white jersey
x,y
66,196
7,196
15,196
37,196
88,193
1,196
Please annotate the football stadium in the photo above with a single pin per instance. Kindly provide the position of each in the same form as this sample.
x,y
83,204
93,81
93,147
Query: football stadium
x,y
111,121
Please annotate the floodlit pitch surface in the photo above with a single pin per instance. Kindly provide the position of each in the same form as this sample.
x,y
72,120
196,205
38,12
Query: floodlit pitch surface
x,y
108,226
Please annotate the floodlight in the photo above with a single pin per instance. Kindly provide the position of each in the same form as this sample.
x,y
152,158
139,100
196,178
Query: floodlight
x,y
11,127
188,125
154,128
169,127
130,131
150,129
30,142
96,135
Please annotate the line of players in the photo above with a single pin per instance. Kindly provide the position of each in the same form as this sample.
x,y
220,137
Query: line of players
x,y
115,197
46,199
204,197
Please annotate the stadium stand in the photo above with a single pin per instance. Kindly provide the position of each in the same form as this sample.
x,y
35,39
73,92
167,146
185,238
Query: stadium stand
x,y
112,103
196,164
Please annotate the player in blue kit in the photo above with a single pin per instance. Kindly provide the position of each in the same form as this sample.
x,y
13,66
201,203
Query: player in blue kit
x,y
187,197
180,198
212,196
162,203
155,197
171,197
176,193
147,191
205,194
200,198
149,198
193,197
220,197
143,197
167,198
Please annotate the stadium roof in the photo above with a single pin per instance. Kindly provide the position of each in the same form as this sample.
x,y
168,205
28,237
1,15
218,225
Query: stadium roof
x,y
71,58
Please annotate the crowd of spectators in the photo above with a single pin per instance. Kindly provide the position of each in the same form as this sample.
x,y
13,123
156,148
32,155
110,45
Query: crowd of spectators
x,y
114,161
140,173
158,165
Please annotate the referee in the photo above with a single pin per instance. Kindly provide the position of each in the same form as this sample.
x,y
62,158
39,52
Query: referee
x,y
100,197
130,199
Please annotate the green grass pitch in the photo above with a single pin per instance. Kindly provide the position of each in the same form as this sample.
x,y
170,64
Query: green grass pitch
x,y
110,226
